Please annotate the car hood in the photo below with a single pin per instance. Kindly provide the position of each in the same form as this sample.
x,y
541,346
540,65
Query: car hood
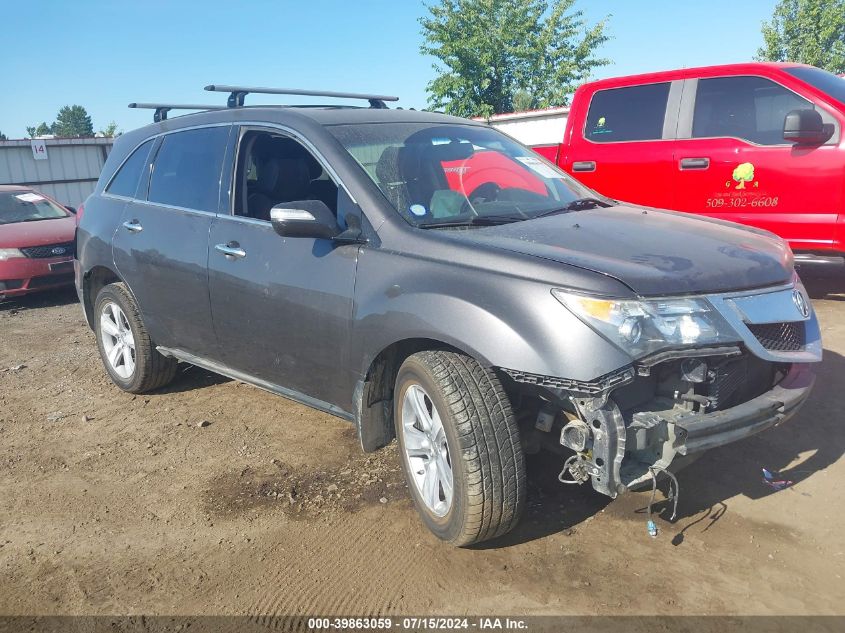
x,y
40,233
653,252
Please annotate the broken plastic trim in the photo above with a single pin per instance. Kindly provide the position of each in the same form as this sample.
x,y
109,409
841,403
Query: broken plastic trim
x,y
598,386
688,352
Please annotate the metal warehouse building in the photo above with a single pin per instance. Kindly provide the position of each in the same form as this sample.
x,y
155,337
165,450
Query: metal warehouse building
x,y
63,168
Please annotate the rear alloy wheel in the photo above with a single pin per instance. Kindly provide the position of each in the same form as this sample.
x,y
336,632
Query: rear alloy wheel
x,y
460,447
128,354
117,340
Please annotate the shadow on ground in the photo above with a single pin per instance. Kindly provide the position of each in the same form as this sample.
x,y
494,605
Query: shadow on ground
x,y
551,506
190,377
44,299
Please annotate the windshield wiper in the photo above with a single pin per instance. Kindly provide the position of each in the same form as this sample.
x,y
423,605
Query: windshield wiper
x,y
493,220
580,204
478,220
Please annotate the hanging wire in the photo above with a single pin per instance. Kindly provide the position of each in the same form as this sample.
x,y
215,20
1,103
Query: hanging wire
x,y
674,496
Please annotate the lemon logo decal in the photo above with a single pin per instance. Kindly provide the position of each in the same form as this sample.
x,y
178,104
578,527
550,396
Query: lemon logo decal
x,y
601,122
743,173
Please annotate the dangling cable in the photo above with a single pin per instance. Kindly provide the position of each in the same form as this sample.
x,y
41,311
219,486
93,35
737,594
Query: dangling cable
x,y
650,524
674,496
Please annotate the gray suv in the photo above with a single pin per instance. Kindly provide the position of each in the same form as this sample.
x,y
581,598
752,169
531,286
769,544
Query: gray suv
x,y
431,280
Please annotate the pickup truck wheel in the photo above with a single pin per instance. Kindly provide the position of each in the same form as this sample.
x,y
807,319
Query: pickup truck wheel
x,y
460,447
128,355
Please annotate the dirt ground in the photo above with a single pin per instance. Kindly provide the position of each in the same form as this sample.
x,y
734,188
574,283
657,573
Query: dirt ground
x,y
213,497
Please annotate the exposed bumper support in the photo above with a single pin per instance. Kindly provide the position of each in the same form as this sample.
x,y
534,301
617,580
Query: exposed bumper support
x,y
615,465
705,431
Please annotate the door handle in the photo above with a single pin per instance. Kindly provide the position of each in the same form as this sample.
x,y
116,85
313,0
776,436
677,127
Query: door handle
x,y
133,226
232,250
695,163
584,165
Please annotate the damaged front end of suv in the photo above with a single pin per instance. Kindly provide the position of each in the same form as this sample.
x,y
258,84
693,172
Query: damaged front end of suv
x,y
706,371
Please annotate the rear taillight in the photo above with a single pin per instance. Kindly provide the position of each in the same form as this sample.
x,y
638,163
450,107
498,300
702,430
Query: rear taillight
x,y
79,211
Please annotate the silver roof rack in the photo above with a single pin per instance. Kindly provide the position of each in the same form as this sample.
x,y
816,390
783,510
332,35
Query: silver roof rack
x,y
237,94
161,109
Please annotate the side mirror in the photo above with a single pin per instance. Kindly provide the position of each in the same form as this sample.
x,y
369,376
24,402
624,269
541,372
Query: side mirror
x,y
304,218
806,127
71,209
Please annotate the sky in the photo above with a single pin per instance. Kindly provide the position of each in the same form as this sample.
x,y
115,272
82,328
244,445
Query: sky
x,y
104,54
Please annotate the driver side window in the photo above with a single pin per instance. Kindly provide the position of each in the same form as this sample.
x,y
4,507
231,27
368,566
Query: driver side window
x,y
273,169
748,108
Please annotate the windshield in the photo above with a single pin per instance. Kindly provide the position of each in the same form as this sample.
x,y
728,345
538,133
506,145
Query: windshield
x,y
821,79
453,175
27,206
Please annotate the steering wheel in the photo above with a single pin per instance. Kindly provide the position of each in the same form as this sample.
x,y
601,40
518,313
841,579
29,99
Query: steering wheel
x,y
487,192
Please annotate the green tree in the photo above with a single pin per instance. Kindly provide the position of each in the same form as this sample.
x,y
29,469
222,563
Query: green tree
x,y
806,31
490,52
522,101
73,121
3,137
42,129
110,130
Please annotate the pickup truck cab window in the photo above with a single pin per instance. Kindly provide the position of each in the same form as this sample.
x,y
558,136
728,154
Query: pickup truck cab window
x,y
627,114
748,108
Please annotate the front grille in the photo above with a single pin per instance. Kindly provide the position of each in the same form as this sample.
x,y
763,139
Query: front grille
x,y
50,280
780,337
41,252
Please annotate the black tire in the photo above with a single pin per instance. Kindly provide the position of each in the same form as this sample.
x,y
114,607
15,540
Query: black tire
x,y
152,370
489,480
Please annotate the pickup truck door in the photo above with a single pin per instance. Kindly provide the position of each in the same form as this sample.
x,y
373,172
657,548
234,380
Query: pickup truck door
x,y
621,142
731,161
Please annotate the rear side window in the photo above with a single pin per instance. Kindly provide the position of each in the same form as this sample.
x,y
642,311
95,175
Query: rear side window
x,y
187,168
125,182
749,108
635,113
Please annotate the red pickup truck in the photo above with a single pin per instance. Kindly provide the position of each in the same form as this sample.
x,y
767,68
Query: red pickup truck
x,y
757,143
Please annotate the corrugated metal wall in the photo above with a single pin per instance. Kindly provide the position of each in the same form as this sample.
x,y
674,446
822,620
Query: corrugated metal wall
x,y
69,173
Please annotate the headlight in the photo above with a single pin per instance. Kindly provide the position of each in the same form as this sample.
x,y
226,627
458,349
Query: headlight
x,y
9,253
643,327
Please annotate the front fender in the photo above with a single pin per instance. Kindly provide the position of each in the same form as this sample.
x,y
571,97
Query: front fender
x,y
500,319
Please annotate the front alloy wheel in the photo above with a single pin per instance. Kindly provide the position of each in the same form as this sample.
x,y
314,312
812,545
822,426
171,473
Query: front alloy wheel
x,y
427,450
460,448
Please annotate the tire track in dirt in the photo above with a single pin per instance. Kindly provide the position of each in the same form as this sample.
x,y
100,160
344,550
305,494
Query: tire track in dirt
x,y
356,572
343,565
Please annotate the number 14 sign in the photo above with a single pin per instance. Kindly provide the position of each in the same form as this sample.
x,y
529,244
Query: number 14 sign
x,y
39,149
